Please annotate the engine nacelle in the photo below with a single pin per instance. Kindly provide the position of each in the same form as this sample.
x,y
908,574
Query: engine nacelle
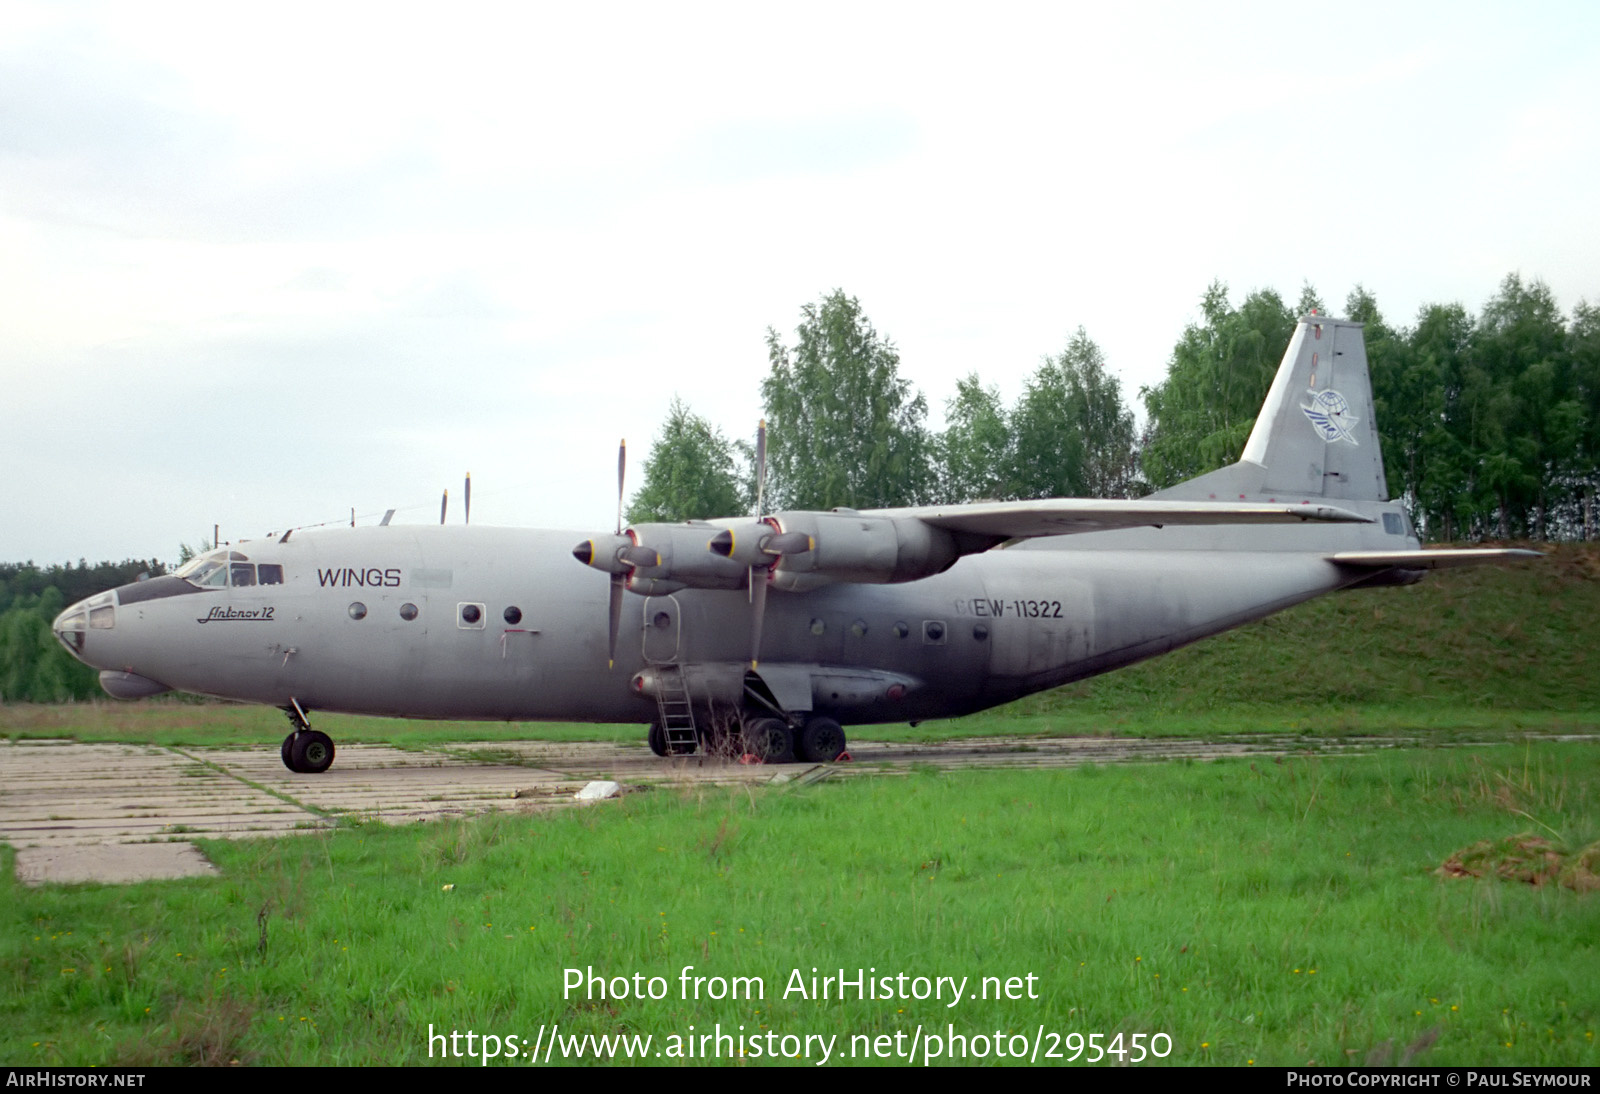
x,y
679,555
851,547
759,543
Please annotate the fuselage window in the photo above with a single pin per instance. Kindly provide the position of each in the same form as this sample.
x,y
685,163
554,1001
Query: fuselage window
x,y
933,632
358,610
469,617
513,615
408,611
1393,524
269,573
241,574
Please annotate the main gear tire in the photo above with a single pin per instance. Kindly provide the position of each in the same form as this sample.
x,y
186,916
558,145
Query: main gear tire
x,y
311,752
821,741
770,740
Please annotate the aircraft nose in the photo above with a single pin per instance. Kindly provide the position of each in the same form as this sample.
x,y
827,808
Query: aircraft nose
x,y
96,613
70,625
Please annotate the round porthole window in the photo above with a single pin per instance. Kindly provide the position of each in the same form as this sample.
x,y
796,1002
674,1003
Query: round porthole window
x,y
980,631
408,611
859,628
513,615
901,630
358,610
471,613
817,626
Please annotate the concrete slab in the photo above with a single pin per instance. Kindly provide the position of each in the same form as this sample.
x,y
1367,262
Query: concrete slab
x,y
54,794
111,863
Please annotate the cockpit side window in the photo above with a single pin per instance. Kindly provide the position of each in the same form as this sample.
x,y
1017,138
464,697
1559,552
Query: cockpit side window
x,y
270,574
219,569
193,565
211,574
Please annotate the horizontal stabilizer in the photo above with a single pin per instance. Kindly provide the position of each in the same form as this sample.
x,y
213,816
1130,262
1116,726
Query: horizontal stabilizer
x,y
1063,516
1431,560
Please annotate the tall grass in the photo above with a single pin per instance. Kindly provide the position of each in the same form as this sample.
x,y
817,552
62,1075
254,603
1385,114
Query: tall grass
x,y
1278,912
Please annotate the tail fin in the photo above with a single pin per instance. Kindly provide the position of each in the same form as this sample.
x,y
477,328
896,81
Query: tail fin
x,y
1316,435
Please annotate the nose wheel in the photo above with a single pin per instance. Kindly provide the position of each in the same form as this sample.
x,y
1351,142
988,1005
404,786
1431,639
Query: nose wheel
x,y
305,751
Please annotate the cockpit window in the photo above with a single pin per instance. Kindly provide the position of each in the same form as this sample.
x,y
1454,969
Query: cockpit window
x,y
195,563
213,573
220,569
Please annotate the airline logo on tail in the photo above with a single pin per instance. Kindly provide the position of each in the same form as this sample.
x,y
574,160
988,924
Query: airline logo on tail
x,y
1330,416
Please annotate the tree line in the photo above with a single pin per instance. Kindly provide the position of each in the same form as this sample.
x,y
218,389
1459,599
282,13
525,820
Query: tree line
x,y
1489,424
34,668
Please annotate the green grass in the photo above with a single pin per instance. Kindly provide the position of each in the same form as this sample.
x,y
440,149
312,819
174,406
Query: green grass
x,y
1189,899
1253,910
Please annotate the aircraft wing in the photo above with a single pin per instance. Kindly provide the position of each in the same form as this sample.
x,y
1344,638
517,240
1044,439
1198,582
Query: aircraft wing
x,y
1431,560
1064,516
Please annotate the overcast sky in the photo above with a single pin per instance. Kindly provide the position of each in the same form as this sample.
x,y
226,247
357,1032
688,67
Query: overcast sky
x,y
260,265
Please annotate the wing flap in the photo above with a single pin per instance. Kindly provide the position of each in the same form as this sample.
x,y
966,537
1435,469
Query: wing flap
x,y
1431,560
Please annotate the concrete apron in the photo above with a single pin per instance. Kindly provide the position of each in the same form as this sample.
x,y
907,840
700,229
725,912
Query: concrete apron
x,y
124,813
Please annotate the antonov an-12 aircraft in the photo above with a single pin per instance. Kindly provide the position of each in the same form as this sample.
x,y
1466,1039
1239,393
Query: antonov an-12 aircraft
x,y
767,636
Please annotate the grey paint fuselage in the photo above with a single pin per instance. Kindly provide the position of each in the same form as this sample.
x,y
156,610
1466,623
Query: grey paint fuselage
x,y
994,627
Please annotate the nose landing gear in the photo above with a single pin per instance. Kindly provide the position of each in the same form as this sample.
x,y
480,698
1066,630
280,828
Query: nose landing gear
x,y
305,751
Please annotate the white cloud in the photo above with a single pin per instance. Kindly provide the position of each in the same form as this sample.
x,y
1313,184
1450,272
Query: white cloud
x,y
260,267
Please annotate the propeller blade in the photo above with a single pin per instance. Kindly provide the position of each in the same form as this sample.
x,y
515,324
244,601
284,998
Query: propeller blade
x,y
758,610
616,616
467,501
444,503
622,466
761,469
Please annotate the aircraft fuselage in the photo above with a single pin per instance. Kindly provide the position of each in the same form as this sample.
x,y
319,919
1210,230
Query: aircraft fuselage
x,y
487,623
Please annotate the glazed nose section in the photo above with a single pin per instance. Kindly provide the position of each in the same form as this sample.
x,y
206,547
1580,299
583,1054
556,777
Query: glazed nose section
x,y
69,627
98,613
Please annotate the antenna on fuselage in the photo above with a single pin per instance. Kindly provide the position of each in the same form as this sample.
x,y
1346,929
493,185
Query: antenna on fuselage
x,y
444,503
468,500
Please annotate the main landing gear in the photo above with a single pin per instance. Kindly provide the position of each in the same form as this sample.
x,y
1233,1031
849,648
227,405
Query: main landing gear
x,y
774,740
305,751
768,738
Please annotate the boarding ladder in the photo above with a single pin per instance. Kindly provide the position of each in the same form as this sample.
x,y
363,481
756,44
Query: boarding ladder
x,y
677,713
